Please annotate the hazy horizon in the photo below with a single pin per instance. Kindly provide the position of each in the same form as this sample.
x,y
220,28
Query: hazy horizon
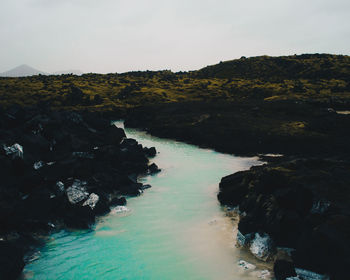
x,y
119,36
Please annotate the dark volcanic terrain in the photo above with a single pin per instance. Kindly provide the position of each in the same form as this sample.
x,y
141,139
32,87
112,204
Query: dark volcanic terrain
x,y
294,209
60,170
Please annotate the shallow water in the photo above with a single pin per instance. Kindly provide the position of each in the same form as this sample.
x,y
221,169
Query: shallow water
x,y
175,230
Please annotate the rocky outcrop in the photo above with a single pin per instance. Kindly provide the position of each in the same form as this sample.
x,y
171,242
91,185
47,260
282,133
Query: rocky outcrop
x,y
60,169
248,128
295,203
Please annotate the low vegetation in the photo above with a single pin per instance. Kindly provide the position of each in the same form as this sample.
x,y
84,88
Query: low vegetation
x,y
306,78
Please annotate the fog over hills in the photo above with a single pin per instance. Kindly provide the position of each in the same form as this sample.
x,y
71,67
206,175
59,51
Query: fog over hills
x,y
26,70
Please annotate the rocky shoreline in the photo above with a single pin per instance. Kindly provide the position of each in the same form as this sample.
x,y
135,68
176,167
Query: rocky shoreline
x,y
60,170
295,212
294,209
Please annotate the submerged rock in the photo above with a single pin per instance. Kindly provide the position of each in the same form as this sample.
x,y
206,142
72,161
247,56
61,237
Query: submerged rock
x,y
265,274
252,269
120,209
246,265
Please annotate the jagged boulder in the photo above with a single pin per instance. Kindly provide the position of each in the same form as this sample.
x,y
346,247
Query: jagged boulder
x,y
262,246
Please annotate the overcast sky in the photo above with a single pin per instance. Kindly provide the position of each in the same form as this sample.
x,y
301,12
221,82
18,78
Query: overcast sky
x,y
122,35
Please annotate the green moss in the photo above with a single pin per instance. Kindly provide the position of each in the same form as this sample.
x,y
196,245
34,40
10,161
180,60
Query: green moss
x,y
316,78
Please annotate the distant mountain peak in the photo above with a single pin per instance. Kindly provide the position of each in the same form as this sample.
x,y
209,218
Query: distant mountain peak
x,y
25,70
22,71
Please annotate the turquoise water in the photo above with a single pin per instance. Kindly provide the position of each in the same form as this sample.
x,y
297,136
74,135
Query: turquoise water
x,y
175,230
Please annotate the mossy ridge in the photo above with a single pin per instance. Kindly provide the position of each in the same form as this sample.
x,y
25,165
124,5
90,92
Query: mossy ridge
x,y
299,78
305,66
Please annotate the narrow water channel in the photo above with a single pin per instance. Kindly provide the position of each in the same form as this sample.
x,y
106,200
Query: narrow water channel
x,y
175,230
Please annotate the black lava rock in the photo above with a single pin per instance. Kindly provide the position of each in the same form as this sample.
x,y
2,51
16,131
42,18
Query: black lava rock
x,y
60,169
284,269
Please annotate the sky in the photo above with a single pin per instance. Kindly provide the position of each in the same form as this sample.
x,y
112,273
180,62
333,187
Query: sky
x,y
108,36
